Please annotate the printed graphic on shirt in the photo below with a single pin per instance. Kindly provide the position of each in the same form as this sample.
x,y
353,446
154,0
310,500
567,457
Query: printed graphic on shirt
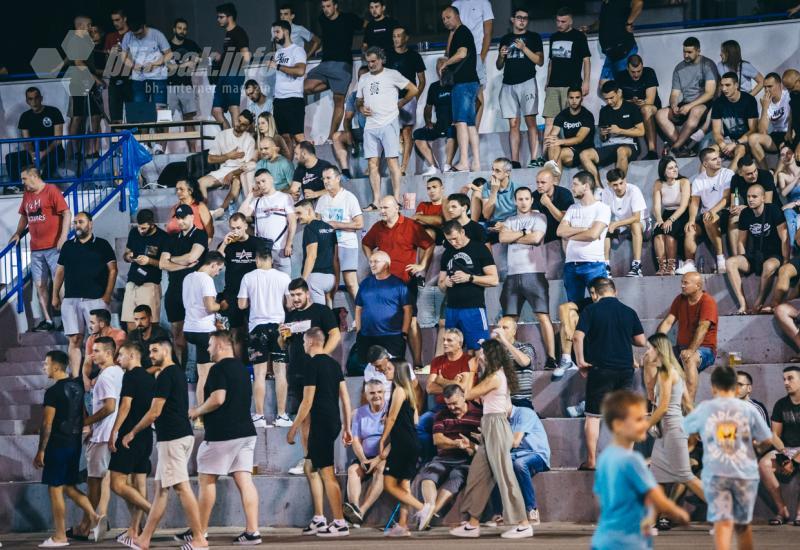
x,y
561,49
730,429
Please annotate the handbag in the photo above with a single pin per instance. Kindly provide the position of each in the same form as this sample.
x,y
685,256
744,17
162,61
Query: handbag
x,y
448,77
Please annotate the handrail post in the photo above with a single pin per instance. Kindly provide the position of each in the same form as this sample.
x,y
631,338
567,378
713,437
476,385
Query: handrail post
x,y
19,282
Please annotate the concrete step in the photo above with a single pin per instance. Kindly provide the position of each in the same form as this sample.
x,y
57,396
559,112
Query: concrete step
x,y
31,353
42,338
22,368
33,413
24,382
17,427
22,396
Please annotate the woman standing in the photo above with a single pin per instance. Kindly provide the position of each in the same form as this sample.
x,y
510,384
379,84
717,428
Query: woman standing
x,y
399,446
491,464
188,192
671,195
669,460
750,80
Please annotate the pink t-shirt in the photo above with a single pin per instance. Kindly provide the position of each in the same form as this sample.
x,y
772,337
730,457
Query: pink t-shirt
x,y
43,210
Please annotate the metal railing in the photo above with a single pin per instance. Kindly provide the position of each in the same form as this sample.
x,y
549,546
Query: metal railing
x,y
88,184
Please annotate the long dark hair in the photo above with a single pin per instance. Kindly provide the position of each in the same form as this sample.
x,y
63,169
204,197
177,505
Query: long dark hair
x,y
662,169
194,189
496,358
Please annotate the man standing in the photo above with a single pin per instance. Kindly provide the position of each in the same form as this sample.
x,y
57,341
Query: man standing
x,y
551,199
181,95
378,31
336,69
170,412
378,99
230,438
639,86
289,105
300,35
320,254
46,214
324,385
615,26
520,52
734,118
143,252
695,311
438,101
584,227
308,174
119,84
606,329
229,66
477,16
147,52
87,268
629,215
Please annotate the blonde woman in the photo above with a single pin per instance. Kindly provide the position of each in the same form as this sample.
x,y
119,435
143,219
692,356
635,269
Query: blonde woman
x,y
265,127
671,195
666,385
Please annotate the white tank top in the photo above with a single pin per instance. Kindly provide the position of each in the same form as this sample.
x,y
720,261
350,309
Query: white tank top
x,y
671,195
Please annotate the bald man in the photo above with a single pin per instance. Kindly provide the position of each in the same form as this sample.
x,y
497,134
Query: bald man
x,y
695,311
791,81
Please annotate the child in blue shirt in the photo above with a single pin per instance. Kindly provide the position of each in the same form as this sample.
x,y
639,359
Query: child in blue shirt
x,y
728,426
623,485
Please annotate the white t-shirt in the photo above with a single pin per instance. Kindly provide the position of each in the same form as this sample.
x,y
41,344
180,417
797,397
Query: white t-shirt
x,y
624,206
711,189
108,385
196,286
270,213
341,208
371,373
300,35
473,13
381,93
265,289
526,258
286,85
266,107
779,113
580,216
226,141
148,49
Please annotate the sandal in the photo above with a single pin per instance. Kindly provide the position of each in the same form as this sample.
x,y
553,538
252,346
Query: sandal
x,y
370,208
780,520
796,522
765,310
584,468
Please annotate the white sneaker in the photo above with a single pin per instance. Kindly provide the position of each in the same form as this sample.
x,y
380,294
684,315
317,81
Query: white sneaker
x,y
258,421
688,267
333,530
466,532
425,515
314,527
553,165
397,531
533,517
564,365
429,171
518,533
282,421
721,268
299,468
446,168
577,411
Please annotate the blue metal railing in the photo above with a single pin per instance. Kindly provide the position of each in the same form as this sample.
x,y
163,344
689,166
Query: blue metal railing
x,y
88,185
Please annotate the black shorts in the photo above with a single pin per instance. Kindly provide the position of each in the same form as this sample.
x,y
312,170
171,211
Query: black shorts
x,y
680,120
525,287
607,154
290,115
777,138
173,302
322,438
795,263
395,345
136,459
200,341
602,382
61,466
237,317
432,134
262,346
413,294
678,226
756,263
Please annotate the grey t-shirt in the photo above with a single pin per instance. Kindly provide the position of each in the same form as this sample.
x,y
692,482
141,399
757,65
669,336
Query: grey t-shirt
x,y
526,258
691,78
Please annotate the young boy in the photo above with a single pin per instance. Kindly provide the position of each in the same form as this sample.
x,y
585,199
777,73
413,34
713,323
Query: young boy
x,y
728,426
624,486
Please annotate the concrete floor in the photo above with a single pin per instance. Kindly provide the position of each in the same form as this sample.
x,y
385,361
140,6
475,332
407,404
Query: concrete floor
x,y
563,536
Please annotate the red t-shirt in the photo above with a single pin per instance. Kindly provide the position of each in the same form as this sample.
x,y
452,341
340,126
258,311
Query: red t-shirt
x,y
112,39
427,208
689,317
43,210
449,369
399,242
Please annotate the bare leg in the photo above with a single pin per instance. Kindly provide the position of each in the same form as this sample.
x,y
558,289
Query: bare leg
x,y
568,315
768,271
692,122
637,237
415,341
74,353
396,175
649,118
690,242
244,481
396,489
548,334
375,178
374,491
132,495
179,341
408,144
191,144
785,314
59,510
691,370
219,116
425,151
338,114
340,148
591,431
723,535
316,488
771,484
759,145
332,491
734,266
623,156
475,147
202,376
354,476
192,512
208,495
664,121
589,159
43,295
259,387
514,138
533,136
658,246
462,136
714,235
281,387
744,536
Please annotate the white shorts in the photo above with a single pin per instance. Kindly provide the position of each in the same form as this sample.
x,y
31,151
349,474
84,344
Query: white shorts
x,y
182,98
386,139
148,294
221,458
221,173
320,284
408,114
480,68
348,259
519,99
44,264
281,262
98,456
75,313
173,461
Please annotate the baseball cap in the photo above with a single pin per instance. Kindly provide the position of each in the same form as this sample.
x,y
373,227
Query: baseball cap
x,y
183,210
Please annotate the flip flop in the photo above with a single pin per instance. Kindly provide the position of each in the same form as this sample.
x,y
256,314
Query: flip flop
x,y
795,359
370,208
584,468
779,520
765,310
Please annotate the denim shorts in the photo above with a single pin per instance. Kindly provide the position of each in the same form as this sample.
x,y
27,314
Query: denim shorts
x,y
612,67
730,499
463,102
228,92
578,275
150,91
707,356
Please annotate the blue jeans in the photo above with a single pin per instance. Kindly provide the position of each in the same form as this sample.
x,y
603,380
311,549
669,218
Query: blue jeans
x,y
578,275
612,67
791,214
526,465
463,102
149,91
425,433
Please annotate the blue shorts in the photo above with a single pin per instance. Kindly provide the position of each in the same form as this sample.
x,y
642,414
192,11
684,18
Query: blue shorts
x,y
61,466
463,102
228,92
707,356
730,499
149,91
578,275
471,321
612,67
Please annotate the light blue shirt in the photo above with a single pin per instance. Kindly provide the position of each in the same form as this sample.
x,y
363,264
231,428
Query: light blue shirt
x,y
505,206
368,427
525,420
621,482
728,427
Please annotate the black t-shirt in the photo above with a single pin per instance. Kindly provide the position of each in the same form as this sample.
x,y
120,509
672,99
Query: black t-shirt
x,y
41,124
626,117
337,36
182,244
86,267
140,386
441,100
465,70
173,423
240,259
763,230
231,420
765,179
325,374
311,178
788,414
66,397
379,33
184,52
321,317
475,233
235,40
156,332
570,124
518,68
325,236
615,39
151,246
609,326
408,64
638,88
471,259
561,199
734,116
794,106
567,51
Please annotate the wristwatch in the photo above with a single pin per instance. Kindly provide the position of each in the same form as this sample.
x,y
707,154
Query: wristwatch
x,y
524,231
471,278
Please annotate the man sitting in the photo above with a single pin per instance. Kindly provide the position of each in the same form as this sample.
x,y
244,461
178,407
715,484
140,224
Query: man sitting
x,y
270,159
773,124
628,215
438,102
572,132
734,117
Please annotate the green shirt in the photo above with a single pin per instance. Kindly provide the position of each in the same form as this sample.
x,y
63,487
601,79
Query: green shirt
x,y
282,171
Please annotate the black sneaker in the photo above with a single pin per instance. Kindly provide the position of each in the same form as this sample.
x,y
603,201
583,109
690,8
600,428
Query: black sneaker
x,y
44,326
333,530
353,514
515,164
550,364
248,539
314,527
185,536
663,524
635,270
651,155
